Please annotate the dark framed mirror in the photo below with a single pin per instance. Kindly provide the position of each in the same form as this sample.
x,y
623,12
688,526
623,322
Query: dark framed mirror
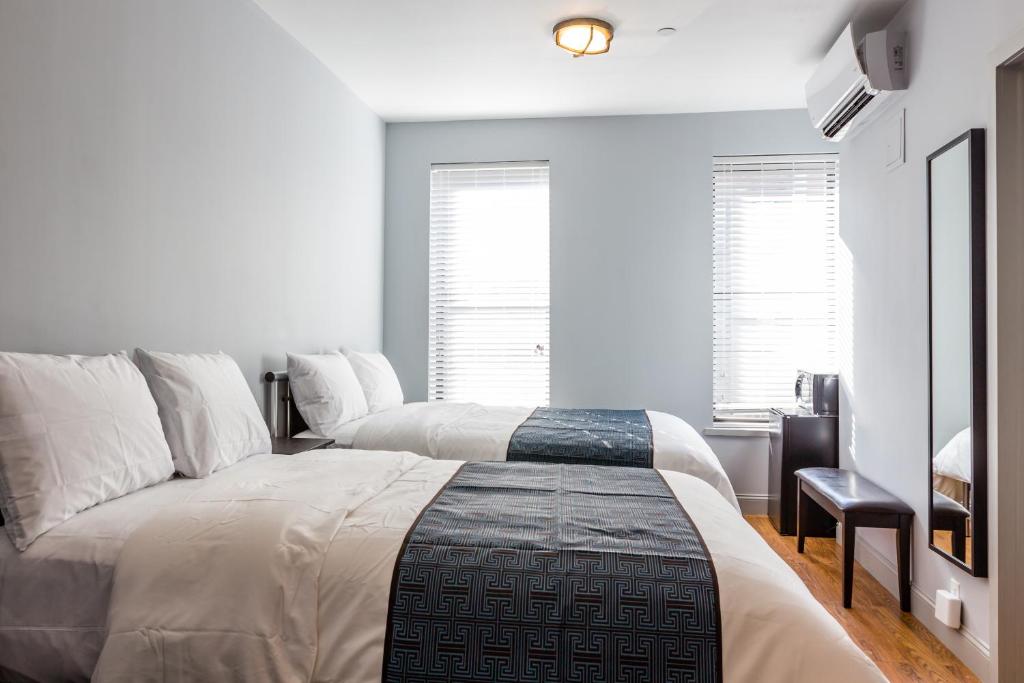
x,y
957,456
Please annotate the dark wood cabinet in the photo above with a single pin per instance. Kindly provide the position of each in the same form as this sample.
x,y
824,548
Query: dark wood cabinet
x,y
796,440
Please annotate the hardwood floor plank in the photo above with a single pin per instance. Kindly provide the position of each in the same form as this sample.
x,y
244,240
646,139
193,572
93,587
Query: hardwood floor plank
x,y
896,641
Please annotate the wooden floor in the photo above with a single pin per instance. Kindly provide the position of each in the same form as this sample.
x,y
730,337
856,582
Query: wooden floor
x,y
897,642
944,541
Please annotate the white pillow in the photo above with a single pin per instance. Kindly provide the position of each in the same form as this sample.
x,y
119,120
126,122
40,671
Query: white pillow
x,y
954,460
210,416
325,390
75,431
378,379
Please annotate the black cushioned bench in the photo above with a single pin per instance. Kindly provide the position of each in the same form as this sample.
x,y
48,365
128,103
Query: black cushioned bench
x,y
949,515
856,502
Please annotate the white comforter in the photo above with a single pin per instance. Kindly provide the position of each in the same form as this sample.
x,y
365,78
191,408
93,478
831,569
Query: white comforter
x,y
280,569
469,431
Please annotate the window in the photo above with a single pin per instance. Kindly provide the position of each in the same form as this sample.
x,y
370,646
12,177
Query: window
x,y
489,283
775,224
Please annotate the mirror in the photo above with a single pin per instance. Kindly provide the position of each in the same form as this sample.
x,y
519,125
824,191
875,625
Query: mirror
x,y
956,256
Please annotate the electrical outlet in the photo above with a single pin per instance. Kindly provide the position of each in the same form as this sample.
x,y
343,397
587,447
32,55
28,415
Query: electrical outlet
x,y
948,605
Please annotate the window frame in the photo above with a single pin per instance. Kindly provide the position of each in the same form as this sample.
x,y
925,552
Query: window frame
x,y
438,386
753,420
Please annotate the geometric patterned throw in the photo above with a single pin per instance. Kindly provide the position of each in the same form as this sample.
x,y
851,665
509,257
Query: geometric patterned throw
x,y
586,437
564,573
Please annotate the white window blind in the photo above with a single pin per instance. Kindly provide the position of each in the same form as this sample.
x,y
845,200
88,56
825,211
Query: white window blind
x,y
775,225
489,283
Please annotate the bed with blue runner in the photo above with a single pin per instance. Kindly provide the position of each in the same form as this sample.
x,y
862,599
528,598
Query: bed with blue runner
x,y
524,572
590,437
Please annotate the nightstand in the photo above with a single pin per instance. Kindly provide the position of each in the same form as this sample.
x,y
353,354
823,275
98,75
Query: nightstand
x,y
285,446
796,440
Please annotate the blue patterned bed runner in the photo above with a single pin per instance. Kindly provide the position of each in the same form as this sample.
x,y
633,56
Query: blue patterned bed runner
x,y
589,437
523,572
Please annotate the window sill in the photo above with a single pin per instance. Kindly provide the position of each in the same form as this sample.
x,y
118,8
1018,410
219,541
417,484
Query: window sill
x,y
758,430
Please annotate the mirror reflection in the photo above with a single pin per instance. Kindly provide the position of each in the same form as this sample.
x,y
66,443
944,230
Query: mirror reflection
x,y
953,237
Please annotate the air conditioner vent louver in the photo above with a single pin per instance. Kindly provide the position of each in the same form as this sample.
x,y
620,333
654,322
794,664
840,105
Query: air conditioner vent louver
x,y
842,118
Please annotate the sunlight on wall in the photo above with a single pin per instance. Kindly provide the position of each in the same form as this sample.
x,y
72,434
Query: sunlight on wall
x,y
844,337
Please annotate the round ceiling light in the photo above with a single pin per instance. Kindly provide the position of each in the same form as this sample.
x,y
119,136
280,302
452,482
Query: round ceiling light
x,y
584,36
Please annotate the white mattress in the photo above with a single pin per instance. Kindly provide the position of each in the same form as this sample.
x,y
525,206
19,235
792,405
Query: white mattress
x,y
54,596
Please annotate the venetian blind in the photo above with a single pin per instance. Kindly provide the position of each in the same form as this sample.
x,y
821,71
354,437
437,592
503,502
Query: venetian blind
x,y
775,226
489,283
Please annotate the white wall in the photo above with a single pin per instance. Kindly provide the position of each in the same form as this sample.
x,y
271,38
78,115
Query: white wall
x,y
182,175
630,252
884,230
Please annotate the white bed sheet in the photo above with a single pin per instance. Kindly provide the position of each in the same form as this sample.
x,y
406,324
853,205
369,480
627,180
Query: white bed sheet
x,y
343,436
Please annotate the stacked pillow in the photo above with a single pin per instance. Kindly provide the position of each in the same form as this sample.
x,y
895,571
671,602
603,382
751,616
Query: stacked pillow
x,y
325,390
209,415
333,389
75,431
378,380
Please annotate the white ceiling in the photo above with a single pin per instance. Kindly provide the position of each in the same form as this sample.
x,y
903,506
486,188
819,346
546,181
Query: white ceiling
x,y
421,60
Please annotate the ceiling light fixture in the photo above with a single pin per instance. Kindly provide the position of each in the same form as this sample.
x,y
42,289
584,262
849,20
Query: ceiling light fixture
x,y
583,36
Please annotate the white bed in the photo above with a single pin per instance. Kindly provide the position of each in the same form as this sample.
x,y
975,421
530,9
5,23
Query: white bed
x,y
954,459
279,568
951,468
448,430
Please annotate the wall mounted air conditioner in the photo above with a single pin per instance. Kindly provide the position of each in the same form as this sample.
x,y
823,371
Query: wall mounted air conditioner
x,y
853,80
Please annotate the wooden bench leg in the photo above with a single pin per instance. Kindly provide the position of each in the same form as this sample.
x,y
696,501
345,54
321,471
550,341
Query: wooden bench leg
x,y
849,538
803,504
903,560
959,544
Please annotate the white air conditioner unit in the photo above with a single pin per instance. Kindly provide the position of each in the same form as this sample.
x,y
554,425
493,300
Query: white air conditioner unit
x,y
853,80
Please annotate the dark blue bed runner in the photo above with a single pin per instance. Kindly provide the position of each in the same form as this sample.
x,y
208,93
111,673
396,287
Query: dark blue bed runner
x,y
589,437
531,572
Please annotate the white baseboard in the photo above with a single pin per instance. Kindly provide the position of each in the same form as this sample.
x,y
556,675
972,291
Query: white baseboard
x,y
965,645
753,503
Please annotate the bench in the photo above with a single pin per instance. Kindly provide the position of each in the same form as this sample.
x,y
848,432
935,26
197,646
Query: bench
x,y
949,515
856,502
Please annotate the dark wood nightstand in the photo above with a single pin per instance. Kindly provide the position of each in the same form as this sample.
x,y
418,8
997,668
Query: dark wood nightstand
x,y
284,446
797,440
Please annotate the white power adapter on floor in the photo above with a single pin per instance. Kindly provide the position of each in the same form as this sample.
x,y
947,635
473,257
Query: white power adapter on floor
x,y
948,605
